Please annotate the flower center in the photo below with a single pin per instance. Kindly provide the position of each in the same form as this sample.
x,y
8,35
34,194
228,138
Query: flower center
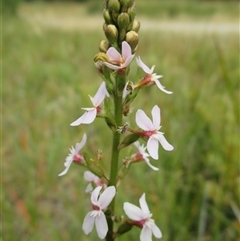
x,y
78,158
149,133
99,109
95,207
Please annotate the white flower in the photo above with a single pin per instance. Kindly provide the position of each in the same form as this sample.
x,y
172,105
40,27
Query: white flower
x,y
142,155
74,155
151,130
150,77
91,113
143,219
118,61
91,177
97,216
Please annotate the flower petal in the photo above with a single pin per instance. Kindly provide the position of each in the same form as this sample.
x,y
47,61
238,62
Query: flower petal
x,y
101,225
156,231
112,66
143,121
89,116
113,55
152,147
68,164
126,50
133,212
144,206
164,142
106,197
88,223
146,234
143,66
100,95
95,195
127,61
156,117
150,165
78,121
80,145
161,87
89,176
89,188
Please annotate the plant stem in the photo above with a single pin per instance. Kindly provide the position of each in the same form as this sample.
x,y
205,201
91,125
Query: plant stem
x,y
115,151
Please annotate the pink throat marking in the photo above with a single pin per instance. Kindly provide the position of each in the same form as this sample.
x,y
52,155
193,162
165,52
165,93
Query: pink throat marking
x,y
95,207
149,133
99,109
77,158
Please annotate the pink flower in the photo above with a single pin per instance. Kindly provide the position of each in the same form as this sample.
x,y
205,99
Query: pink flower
x,y
150,77
151,130
118,61
142,218
97,216
91,113
142,155
92,178
74,155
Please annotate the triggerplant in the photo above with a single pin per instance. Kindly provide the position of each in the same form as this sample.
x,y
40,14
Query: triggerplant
x,y
112,102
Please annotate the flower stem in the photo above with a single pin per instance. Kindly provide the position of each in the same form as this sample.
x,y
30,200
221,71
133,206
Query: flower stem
x,y
115,151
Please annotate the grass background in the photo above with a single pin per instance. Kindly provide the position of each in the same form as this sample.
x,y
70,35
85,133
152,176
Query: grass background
x,y
47,76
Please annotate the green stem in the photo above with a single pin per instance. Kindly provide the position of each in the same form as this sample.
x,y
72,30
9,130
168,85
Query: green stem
x,y
115,151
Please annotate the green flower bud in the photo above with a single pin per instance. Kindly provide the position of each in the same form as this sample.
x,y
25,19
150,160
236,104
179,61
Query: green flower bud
x,y
132,39
126,3
122,35
111,33
135,25
100,57
128,140
103,46
114,6
123,20
124,228
132,12
106,16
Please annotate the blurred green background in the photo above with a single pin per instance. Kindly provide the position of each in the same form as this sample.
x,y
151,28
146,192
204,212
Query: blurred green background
x,y
48,72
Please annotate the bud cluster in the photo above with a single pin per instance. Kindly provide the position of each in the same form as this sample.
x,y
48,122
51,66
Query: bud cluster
x,y
120,25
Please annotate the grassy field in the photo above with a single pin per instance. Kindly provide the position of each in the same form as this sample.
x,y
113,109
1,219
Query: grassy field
x,y
47,76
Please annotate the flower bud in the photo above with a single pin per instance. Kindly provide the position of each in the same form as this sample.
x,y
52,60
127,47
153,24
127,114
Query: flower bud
x,y
124,228
111,33
126,3
103,46
136,25
114,6
132,39
100,57
132,12
122,35
128,140
106,16
123,20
